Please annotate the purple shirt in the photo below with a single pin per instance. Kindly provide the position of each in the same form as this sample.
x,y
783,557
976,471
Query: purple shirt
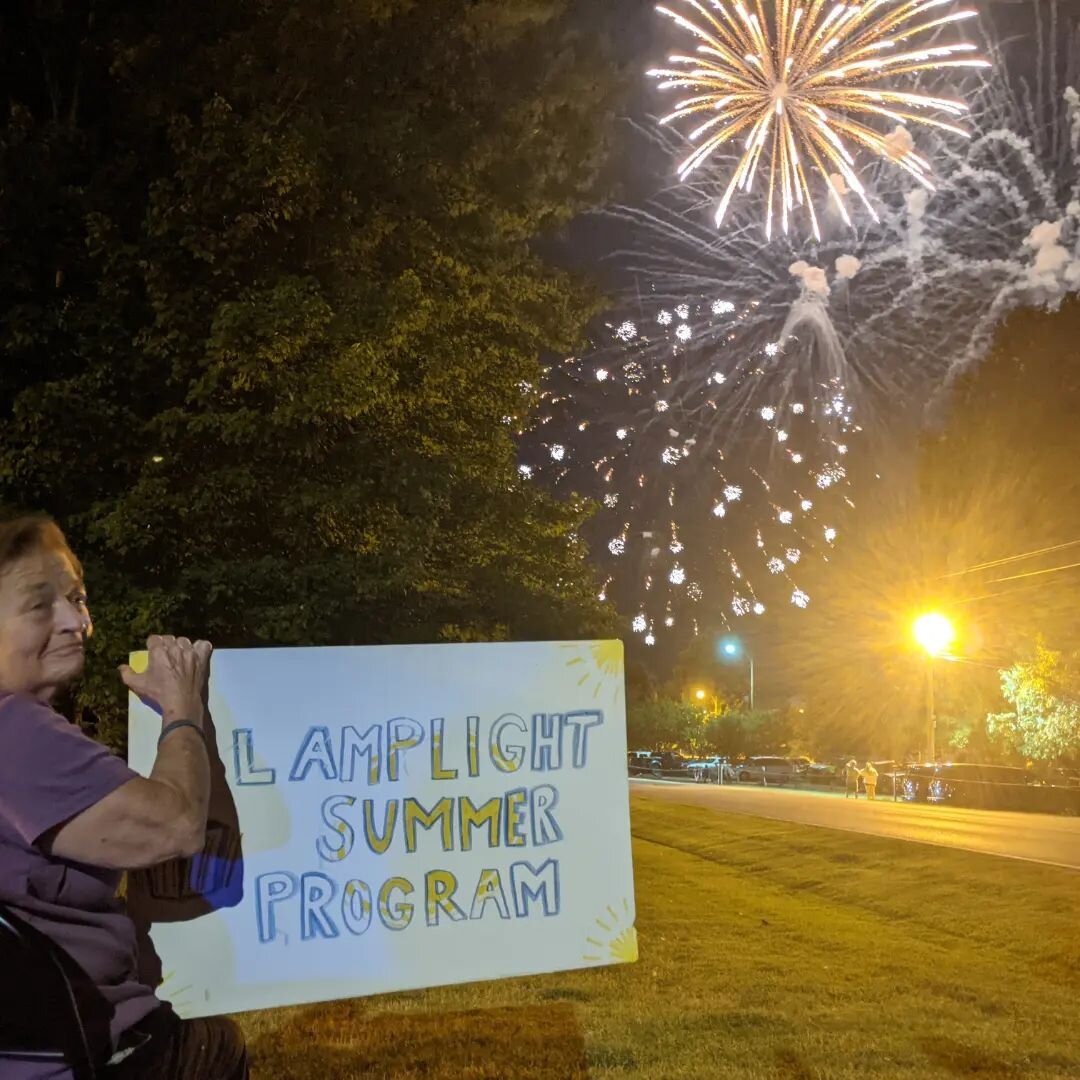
x,y
50,772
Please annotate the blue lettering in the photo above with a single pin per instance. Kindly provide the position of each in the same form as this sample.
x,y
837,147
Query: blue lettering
x,y
401,734
582,722
527,883
507,757
244,760
270,889
316,891
545,829
316,749
340,830
547,740
356,909
354,745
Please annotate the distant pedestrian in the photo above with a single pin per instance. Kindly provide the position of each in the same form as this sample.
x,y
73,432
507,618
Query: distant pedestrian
x,y
869,779
851,779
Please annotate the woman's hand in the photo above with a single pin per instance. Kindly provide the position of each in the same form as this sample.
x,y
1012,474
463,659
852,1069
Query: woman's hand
x,y
175,680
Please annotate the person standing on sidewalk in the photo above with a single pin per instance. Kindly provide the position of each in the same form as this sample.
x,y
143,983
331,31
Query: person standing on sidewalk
x,y
869,779
851,779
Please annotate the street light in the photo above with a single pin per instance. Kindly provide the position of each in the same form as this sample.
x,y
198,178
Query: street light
x,y
733,648
935,634
701,695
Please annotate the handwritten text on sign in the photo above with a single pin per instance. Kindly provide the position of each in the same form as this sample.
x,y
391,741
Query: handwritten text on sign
x,y
519,818
398,817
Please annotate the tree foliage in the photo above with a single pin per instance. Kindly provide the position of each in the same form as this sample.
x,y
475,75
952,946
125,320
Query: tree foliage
x,y
744,732
270,310
665,723
1045,722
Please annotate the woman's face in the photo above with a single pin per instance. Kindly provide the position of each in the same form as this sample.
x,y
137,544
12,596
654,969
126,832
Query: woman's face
x,y
44,624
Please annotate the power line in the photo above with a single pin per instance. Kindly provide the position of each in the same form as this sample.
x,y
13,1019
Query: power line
x,y
1036,573
1011,558
971,662
1002,592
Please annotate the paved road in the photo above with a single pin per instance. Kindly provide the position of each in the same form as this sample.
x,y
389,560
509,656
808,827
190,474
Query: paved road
x,y
1035,837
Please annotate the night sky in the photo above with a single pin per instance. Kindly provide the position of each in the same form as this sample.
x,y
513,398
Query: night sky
x,y
590,245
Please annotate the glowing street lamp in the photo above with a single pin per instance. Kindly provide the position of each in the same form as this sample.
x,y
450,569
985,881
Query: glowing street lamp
x,y
701,695
732,648
935,635
934,632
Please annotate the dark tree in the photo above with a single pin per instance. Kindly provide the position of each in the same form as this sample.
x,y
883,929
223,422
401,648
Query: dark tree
x,y
271,311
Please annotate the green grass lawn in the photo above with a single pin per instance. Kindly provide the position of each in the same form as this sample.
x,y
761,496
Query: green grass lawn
x,y
767,950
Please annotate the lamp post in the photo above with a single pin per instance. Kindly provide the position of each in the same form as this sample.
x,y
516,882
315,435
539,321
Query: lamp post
x,y
732,648
934,633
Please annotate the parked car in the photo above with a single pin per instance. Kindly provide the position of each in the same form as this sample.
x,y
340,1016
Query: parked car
x,y
825,772
711,768
988,787
770,770
667,763
975,785
915,786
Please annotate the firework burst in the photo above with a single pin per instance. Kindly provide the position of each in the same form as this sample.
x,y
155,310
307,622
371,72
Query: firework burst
x,y
709,501
746,396
798,85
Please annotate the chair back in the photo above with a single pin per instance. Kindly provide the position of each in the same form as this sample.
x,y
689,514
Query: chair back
x,y
50,1010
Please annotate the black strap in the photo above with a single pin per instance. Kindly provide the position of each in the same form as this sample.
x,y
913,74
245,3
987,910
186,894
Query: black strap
x,y
168,729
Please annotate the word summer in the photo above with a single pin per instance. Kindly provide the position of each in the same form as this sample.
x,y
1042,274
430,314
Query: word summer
x,y
512,819
508,744
320,907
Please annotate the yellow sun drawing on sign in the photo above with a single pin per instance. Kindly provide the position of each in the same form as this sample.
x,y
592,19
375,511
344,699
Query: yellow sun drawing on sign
x,y
601,661
617,940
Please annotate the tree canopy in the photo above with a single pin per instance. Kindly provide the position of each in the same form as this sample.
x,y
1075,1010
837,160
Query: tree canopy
x,y
271,310
1045,722
666,723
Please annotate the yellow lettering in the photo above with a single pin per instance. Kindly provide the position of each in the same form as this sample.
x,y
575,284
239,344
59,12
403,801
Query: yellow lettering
x,y
375,842
395,916
439,887
442,813
476,817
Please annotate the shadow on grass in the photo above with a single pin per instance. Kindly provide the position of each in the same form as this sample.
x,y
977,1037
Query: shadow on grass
x,y
794,1066
339,1042
959,1059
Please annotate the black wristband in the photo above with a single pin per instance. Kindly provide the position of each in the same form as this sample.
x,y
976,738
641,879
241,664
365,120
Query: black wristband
x,y
168,729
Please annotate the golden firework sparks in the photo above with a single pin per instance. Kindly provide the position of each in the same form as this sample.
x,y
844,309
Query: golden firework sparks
x,y
796,85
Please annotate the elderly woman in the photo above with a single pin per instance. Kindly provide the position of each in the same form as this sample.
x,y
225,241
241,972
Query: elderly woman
x,y
73,816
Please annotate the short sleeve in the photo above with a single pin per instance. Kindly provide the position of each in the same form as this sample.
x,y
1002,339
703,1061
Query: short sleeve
x,y
49,770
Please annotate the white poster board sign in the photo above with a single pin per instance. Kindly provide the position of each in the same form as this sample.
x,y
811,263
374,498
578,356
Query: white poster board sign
x,y
398,817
